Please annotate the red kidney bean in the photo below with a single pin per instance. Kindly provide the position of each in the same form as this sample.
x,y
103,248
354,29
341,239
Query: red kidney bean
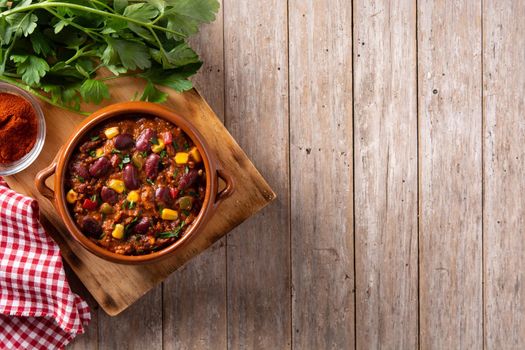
x,y
81,171
167,137
91,227
188,179
143,141
152,166
123,141
162,195
142,226
130,175
108,195
100,167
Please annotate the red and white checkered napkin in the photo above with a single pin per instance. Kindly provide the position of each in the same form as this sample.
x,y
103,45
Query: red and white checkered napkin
x,y
37,308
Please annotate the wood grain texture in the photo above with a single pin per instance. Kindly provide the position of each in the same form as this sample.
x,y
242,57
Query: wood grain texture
x,y
321,174
194,298
257,115
504,184
88,340
437,99
385,126
114,295
450,231
138,327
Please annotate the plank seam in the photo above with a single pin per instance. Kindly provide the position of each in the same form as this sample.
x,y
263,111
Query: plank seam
x,y
353,174
162,315
483,345
290,266
418,179
224,121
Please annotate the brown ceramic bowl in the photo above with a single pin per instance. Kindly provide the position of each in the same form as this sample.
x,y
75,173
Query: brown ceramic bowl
x,y
214,171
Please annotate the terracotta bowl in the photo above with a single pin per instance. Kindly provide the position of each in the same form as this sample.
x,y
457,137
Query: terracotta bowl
x,y
214,171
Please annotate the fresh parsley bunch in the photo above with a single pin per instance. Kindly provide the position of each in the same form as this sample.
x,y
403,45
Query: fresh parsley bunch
x,y
54,49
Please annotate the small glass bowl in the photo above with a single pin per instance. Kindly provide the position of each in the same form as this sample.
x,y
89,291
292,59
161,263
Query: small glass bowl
x,y
19,165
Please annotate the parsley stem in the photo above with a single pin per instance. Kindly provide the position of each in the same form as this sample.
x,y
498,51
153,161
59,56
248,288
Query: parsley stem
x,y
161,48
79,53
45,5
102,4
12,75
39,95
74,25
118,76
6,54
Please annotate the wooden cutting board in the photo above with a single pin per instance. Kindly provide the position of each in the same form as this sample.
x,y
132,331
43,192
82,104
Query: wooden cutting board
x,y
115,286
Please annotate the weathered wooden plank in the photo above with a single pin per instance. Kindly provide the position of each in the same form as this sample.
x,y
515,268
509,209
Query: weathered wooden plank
x,y
385,126
138,327
194,297
321,174
450,173
88,340
504,184
258,252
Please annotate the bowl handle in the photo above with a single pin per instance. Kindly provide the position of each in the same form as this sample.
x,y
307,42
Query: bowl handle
x,y
40,181
228,190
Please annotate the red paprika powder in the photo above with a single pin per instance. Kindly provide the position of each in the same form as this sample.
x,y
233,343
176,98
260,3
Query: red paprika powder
x,y
18,127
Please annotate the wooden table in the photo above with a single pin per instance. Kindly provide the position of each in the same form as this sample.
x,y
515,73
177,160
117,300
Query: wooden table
x,y
394,135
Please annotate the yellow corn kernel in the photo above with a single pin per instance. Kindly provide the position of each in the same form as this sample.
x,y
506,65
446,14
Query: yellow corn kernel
x,y
118,231
99,152
71,196
152,240
194,153
133,196
168,214
111,132
117,185
159,147
181,158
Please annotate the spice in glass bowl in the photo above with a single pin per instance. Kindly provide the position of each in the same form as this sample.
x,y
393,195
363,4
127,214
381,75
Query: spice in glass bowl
x,y
18,127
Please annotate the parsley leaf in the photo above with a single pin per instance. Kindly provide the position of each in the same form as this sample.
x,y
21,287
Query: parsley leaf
x,y
31,68
94,91
141,12
132,54
174,233
125,160
187,15
152,94
56,48
176,79
23,23
41,44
